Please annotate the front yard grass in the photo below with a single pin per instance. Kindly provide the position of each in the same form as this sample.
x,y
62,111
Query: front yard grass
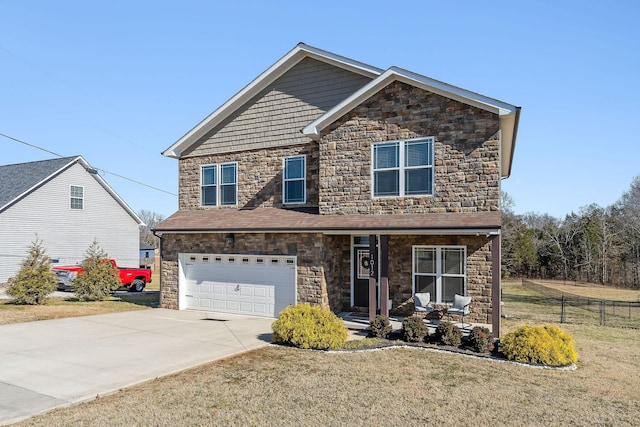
x,y
285,386
57,308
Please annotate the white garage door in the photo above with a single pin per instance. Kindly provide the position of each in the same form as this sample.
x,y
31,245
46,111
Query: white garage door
x,y
242,284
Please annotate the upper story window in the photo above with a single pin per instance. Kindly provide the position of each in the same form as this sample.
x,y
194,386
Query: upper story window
x,y
294,182
403,168
76,197
219,184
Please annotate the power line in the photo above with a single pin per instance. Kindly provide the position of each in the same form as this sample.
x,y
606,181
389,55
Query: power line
x,y
100,169
31,145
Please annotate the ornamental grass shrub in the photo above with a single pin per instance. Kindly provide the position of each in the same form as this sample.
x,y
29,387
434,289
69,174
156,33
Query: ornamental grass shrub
x,y
448,334
546,345
414,329
380,327
307,326
481,339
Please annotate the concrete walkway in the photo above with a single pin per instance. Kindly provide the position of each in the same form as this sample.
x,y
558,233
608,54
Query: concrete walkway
x,y
54,363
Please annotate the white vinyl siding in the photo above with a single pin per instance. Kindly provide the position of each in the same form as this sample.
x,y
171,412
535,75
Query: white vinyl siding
x,y
439,270
76,197
67,233
219,184
294,181
402,168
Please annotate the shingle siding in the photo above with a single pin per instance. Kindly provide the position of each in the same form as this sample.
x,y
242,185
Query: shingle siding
x,y
275,116
67,233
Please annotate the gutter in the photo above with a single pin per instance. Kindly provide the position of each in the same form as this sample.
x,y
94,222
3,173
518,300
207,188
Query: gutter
x,y
513,139
489,231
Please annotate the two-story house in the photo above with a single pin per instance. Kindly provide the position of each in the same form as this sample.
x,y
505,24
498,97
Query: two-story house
x,y
329,181
67,205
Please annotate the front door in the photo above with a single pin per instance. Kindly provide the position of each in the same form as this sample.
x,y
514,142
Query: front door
x,y
360,272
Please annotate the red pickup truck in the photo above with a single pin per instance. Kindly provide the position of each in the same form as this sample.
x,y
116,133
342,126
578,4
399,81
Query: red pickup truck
x,y
135,279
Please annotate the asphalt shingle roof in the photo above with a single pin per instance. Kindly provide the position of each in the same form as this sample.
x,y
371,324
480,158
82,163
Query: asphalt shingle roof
x,y
281,220
17,178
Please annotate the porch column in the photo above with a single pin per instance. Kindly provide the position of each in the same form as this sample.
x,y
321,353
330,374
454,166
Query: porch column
x,y
384,275
496,290
373,276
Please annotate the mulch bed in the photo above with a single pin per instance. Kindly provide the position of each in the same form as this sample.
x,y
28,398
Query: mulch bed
x,y
395,341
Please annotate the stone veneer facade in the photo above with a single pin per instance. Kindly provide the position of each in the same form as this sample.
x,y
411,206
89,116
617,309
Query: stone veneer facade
x,y
315,259
467,157
259,176
466,179
324,265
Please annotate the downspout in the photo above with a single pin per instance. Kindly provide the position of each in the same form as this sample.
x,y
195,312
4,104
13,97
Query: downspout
x,y
159,236
496,286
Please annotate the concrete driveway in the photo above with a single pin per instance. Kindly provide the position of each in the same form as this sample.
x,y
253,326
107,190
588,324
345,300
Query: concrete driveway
x,y
53,363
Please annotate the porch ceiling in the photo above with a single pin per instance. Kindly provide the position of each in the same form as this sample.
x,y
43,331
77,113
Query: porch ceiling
x,y
273,220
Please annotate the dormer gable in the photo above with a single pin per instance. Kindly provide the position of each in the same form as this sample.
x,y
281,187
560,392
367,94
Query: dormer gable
x,y
305,65
508,114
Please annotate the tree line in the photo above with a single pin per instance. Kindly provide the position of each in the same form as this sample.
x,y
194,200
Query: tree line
x,y
597,244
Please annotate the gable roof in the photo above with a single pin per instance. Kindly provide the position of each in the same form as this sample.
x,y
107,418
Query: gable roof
x,y
509,114
19,180
284,64
146,247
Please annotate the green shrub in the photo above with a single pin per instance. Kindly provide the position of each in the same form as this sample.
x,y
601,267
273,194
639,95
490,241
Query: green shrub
x,y
380,327
34,280
98,278
448,334
547,345
414,329
308,326
481,340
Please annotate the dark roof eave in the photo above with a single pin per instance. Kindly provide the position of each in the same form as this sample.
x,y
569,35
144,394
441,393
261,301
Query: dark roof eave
x,y
337,230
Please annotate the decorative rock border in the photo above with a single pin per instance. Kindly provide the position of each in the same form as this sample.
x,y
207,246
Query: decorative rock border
x,y
443,349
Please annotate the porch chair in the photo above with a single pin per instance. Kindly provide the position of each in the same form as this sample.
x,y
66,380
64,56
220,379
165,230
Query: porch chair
x,y
461,307
422,301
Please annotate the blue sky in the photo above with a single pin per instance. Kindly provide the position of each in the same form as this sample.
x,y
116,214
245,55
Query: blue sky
x,y
119,81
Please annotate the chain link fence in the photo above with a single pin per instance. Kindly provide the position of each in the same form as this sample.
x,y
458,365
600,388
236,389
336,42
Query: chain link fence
x,y
580,309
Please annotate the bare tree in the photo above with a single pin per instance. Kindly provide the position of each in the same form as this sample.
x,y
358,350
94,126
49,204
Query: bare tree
x,y
151,220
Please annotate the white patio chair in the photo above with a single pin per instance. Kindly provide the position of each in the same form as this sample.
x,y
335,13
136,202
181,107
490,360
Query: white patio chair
x,y
461,307
422,302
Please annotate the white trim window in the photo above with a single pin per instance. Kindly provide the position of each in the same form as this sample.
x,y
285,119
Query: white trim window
x,y
219,184
294,180
76,197
403,168
440,270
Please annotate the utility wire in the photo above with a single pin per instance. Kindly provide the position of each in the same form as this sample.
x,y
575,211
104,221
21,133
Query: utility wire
x,y
100,169
31,145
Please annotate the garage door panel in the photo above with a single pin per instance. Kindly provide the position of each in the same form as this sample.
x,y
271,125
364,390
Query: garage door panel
x,y
247,291
261,291
240,287
261,308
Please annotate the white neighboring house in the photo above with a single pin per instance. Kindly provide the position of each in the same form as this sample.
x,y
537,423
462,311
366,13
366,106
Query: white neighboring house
x,y
68,206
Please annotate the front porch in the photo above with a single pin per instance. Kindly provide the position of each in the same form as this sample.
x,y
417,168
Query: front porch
x,y
358,324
